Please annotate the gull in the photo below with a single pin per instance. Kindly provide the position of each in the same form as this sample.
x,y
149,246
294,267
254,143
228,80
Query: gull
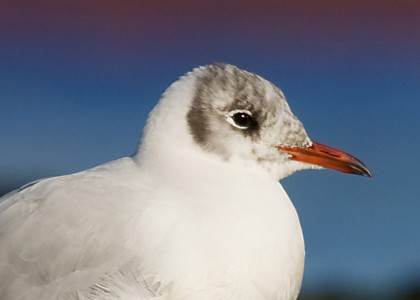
x,y
196,213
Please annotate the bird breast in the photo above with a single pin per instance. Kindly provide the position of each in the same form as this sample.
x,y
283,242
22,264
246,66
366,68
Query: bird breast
x,y
241,238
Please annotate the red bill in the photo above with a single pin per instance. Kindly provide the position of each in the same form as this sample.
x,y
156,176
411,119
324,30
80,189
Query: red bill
x,y
327,157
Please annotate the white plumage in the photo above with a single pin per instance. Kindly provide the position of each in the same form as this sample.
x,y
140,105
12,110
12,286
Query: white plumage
x,y
187,217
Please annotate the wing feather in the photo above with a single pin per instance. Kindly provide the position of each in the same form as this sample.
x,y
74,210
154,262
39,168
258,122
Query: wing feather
x,y
58,236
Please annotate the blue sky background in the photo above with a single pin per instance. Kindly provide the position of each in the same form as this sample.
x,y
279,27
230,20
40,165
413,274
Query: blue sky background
x,y
77,81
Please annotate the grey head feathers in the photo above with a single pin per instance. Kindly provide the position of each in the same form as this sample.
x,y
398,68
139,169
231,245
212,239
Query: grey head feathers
x,y
222,90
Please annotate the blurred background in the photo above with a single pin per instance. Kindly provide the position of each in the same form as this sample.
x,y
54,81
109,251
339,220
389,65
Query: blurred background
x,y
78,78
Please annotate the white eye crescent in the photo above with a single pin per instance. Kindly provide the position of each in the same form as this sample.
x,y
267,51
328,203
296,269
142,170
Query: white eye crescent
x,y
240,118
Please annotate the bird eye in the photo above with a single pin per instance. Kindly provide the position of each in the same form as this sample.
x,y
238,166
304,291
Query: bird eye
x,y
240,119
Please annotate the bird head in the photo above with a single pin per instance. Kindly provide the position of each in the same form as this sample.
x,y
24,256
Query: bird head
x,y
242,118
